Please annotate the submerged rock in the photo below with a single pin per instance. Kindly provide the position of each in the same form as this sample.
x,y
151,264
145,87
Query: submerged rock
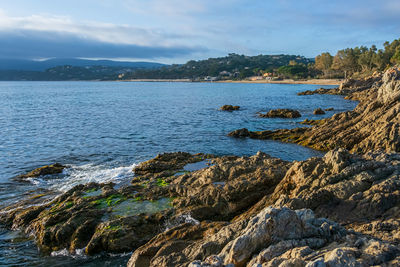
x,y
55,168
281,113
229,108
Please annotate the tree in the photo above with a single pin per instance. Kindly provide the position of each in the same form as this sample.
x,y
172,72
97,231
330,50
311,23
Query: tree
x,y
346,61
365,60
324,62
396,56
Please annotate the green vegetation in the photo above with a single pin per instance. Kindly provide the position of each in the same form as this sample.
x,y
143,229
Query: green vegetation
x,y
110,201
232,66
296,71
66,73
161,182
113,227
131,207
358,61
349,62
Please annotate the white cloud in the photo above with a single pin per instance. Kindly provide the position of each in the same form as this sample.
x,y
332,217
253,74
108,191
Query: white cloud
x,y
93,30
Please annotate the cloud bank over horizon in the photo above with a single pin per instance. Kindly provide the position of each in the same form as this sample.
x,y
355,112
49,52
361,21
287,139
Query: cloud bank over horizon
x,y
178,30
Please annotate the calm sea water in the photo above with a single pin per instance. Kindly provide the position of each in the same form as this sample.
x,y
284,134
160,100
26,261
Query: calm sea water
x,y
102,129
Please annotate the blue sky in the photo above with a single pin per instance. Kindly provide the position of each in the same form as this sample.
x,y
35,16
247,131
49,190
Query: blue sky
x,y
175,31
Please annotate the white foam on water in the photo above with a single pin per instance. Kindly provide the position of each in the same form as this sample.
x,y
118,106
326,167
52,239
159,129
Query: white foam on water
x,y
75,175
63,252
78,253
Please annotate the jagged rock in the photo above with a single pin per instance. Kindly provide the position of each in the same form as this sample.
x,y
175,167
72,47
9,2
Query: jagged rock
x,y
102,218
55,168
273,237
162,246
361,192
319,111
281,113
229,108
89,216
229,186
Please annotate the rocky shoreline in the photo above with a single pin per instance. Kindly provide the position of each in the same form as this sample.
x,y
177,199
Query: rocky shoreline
x,y
203,210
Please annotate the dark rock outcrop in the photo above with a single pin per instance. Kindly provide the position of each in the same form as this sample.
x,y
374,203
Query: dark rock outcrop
x,y
229,108
318,111
55,168
240,133
281,113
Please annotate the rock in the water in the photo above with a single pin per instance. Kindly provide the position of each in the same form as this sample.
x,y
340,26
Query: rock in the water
x,y
55,168
329,109
240,133
167,163
281,113
318,91
319,111
229,108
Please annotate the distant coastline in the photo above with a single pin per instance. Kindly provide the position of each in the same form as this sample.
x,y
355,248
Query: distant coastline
x,y
285,81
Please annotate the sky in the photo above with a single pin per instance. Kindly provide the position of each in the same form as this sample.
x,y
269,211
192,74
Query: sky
x,y
176,31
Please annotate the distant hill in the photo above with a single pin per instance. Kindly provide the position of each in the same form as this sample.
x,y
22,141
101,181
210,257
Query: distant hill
x,y
31,65
233,66
68,69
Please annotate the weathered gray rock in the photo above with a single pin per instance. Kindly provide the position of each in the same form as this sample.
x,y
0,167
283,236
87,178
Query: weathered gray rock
x,y
274,237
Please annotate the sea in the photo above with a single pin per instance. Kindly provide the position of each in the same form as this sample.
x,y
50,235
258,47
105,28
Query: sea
x,y
101,130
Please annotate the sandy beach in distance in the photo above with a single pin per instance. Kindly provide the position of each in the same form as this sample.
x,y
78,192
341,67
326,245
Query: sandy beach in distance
x,y
289,81
286,81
